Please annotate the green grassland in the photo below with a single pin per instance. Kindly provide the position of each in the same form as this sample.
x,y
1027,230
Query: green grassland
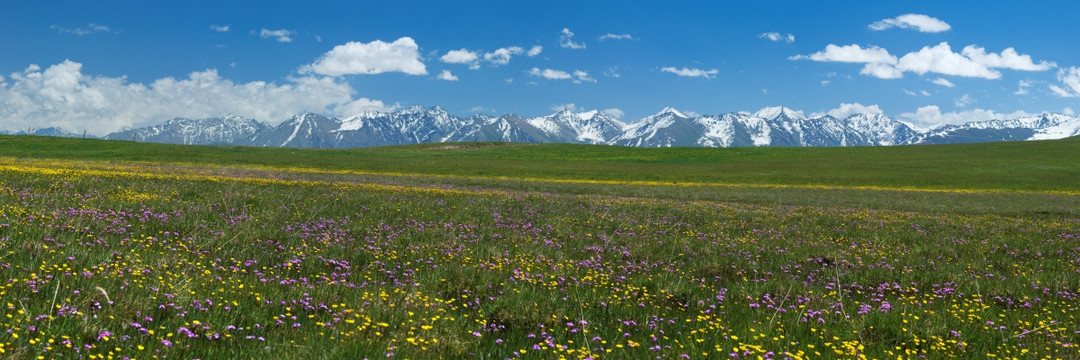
x,y
493,251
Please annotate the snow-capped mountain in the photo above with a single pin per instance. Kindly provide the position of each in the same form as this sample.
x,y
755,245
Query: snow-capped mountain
x,y
1043,127
227,130
49,131
770,126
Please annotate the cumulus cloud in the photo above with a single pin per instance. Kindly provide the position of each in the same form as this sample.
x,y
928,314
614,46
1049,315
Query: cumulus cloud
x,y
550,74
462,56
566,40
922,23
691,72
610,36
943,82
964,101
613,112
1007,59
775,36
1070,78
82,30
847,109
61,95
535,50
851,54
1068,111
930,116
375,57
502,56
939,59
446,75
281,35
219,28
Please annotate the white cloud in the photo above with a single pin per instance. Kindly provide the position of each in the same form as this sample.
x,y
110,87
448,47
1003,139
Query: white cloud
x,y
825,82
219,28
1007,59
881,71
362,105
376,57
938,59
847,109
924,93
613,112
535,50
775,36
82,31
63,96
943,82
610,36
462,56
612,72
502,56
281,35
964,101
1022,87
566,40
1068,111
582,76
909,92
571,106
691,72
918,22
550,74
931,116
1070,78
851,54
446,75
941,59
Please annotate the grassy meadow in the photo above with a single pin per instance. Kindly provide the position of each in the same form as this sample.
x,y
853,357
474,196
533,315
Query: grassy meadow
x,y
117,250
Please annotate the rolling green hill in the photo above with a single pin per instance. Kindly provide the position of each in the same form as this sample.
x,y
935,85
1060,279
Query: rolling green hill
x,y
1014,166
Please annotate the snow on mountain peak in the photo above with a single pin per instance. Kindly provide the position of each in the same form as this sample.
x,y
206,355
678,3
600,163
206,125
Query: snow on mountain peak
x,y
672,111
587,115
772,112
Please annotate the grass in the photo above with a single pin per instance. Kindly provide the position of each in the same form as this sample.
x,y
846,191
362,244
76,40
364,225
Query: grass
x,y
118,249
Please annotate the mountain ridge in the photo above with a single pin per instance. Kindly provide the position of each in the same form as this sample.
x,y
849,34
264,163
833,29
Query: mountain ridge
x,y
769,126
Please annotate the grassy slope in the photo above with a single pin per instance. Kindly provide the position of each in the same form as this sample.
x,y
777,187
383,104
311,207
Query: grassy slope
x,y
1034,165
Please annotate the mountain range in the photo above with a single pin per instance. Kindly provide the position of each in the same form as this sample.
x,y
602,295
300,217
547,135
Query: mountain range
x,y
770,126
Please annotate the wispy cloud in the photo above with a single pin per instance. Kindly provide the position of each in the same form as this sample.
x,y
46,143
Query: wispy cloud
x,y
691,72
90,28
775,36
610,36
281,35
918,22
1070,78
220,28
566,40
943,82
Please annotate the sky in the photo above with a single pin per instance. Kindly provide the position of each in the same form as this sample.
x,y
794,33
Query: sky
x,y
103,66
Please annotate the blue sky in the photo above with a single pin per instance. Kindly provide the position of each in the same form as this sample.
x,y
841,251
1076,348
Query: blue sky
x,y
105,65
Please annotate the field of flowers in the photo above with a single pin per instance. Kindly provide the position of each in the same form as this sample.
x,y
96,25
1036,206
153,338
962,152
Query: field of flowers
x,y
126,260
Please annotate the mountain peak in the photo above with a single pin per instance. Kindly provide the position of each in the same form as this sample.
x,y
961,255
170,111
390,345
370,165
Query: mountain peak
x,y
673,111
773,112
